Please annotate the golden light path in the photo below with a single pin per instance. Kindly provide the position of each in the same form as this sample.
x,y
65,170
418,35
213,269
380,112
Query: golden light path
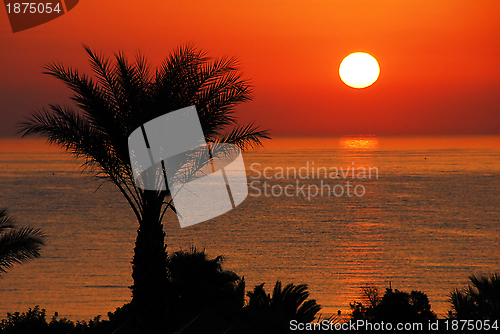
x,y
359,143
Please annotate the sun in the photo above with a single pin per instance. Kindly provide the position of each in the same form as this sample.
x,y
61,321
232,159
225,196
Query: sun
x,y
359,70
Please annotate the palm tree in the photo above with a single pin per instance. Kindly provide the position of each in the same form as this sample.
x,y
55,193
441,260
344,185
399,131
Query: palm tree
x,y
479,301
17,245
198,283
272,314
121,97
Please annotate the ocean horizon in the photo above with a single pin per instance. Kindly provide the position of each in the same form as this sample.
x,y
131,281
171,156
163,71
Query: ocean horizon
x,y
426,220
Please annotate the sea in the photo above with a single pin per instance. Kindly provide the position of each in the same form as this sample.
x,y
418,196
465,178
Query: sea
x,y
337,214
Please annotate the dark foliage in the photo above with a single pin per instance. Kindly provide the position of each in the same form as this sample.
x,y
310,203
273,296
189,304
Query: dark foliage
x,y
272,314
197,283
479,301
394,306
35,321
17,245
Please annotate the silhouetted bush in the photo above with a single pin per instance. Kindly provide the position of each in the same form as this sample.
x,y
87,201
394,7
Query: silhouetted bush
x,y
35,321
394,306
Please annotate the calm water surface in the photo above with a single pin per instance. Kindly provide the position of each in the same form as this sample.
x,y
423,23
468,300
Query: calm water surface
x,y
427,222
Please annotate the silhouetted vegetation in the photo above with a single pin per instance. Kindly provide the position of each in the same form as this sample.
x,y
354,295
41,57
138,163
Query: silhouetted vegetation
x,y
197,283
35,321
479,301
122,96
205,298
393,306
272,314
17,245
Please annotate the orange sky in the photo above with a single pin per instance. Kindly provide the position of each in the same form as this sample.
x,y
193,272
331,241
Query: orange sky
x,y
440,60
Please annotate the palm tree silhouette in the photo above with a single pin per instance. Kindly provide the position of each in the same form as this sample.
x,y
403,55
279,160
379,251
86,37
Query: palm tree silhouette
x,y
17,245
198,283
479,301
121,97
272,314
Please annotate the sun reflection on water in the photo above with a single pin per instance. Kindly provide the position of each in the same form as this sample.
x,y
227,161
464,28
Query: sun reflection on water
x,y
359,143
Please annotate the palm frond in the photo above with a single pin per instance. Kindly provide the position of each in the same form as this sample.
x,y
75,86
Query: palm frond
x,y
308,310
91,98
106,76
258,297
19,245
65,128
5,220
245,137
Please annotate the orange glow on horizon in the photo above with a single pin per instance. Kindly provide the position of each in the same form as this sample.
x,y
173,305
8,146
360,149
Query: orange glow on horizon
x,y
24,145
359,143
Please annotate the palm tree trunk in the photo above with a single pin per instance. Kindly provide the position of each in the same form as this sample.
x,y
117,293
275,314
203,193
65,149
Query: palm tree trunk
x,y
149,268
